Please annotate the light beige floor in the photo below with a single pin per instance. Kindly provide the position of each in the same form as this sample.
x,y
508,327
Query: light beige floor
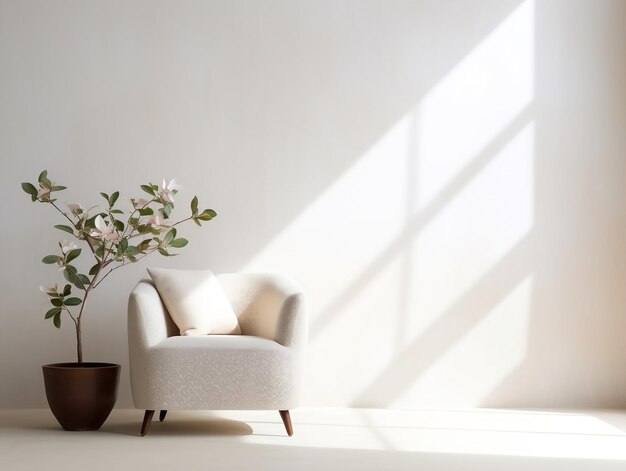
x,y
325,439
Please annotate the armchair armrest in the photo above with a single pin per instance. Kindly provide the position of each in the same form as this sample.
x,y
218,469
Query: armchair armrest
x,y
148,321
268,305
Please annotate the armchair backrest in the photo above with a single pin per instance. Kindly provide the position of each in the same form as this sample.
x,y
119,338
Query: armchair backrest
x,y
266,305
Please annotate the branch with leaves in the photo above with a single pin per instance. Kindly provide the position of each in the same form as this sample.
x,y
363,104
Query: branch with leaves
x,y
109,233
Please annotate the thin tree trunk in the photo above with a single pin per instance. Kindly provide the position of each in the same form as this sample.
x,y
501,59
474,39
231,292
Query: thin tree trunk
x,y
79,343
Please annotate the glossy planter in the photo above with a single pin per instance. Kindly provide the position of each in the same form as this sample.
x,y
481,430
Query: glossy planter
x,y
81,395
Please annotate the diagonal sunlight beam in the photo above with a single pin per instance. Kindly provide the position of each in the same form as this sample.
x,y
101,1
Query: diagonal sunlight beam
x,y
337,305
417,220
341,129
449,326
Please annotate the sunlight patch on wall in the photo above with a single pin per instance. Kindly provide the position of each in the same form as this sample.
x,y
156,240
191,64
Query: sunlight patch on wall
x,y
415,225
335,238
468,236
475,101
481,359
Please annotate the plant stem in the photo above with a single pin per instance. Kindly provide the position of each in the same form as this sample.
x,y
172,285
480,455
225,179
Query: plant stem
x,y
79,343
63,213
122,264
181,221
128,225
107,273
86,236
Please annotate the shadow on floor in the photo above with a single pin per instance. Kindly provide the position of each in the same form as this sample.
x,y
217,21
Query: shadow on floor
x,y
182,426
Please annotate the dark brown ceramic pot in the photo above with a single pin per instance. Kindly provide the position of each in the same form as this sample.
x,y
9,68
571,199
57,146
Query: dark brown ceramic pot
x,y
81,395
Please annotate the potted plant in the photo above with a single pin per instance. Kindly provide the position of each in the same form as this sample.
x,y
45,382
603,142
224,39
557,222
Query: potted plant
x,y
82,394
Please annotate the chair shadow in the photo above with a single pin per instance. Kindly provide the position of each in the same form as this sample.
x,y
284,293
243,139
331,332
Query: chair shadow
x,y
212,426
183,425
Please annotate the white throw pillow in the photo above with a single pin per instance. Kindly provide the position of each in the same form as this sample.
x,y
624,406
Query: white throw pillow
x,y
196,301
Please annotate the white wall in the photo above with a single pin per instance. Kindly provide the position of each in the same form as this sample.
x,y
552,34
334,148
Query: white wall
x,y
446,179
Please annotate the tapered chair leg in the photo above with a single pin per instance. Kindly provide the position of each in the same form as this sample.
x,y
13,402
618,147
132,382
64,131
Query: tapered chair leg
x,y
147,418
162,415
284,414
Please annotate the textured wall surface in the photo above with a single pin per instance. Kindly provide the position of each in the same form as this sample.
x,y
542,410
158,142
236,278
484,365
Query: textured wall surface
x,y
446,180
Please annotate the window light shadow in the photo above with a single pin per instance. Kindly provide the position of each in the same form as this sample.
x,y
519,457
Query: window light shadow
x,y
435,168
337,305
448,328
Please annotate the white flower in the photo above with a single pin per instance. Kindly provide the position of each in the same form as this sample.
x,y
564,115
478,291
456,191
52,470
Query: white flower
x,y
43,192
67,246
140,203
78,210
73,207
103,230
167,191
54,289
155,221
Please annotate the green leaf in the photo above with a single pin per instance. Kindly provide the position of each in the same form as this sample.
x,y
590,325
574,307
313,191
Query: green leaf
x,y
72,301
207,215
144,245
67,290
56,302
49,259
179,243
58,188
30,189
84,279
105,196
195,219
147,189
133,221
100,250
131,251
163,252
72,254
194,205
52,312
67,229
146,212
167,210
169,237
93,270
42,176
114,198
116,211
123,244
119,225
71,275
57,320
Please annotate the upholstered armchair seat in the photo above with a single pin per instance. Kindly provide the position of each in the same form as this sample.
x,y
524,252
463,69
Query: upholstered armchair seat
x,y
220,372
260,369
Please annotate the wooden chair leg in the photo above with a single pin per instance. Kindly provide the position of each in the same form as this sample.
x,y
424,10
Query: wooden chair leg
x,y
284,414
162,415
147,418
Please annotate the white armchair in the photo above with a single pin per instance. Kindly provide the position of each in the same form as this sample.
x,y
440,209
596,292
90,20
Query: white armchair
x,y
260,369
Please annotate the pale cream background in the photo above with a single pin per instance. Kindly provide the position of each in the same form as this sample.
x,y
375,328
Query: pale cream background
x,y
446,180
